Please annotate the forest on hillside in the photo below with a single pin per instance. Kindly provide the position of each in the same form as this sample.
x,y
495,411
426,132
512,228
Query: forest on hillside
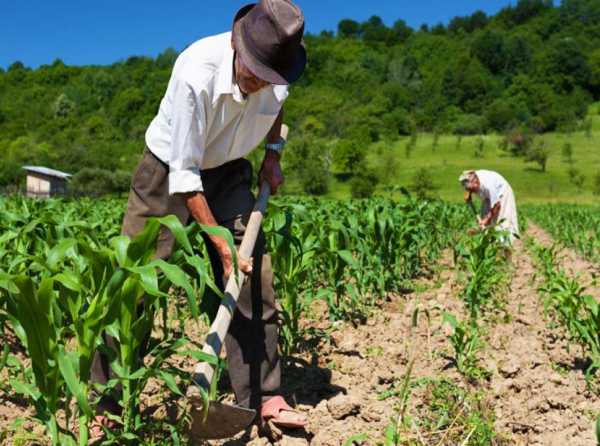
x,y
532,67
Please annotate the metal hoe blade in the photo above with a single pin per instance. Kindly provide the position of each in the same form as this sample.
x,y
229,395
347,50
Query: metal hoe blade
x,y
223,420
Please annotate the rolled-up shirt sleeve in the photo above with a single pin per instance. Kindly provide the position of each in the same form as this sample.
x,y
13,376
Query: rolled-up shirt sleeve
x,y
188,126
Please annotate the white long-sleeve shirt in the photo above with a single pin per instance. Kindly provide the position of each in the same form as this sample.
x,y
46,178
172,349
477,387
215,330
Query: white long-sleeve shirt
x,y
495,189
204,120
492,186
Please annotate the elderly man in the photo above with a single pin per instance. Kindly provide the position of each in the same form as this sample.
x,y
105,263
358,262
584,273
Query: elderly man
x,y
225,96
497,197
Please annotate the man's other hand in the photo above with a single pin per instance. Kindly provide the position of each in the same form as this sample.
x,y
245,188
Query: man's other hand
x,y
270,171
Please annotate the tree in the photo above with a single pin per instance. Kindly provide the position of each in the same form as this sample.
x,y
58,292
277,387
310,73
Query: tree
x,y
597,183
167,58
539,154
400,32
568,64
466,84
479,147
567,153
389,166
63,106
348,154
594,62
518,141
500,115
374,30
576,178
349,28
517,53
490,49
308,161
583,11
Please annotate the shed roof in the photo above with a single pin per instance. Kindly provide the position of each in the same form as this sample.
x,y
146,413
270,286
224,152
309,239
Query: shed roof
x,y
47,171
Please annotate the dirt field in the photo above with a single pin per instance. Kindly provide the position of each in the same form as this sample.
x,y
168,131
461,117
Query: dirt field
x,y
350,378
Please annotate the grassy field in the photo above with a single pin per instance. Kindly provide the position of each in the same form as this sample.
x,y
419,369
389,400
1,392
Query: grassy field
x,y
530,184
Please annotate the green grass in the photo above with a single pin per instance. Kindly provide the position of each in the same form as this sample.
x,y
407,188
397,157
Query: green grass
x,y
529,183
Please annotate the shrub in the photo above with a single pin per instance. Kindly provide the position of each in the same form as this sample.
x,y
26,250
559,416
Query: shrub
x,y
363,185
422,183
597,183
436,140
95,181
479,147
410,145
538,153
567,152
518,141
576,178
308,161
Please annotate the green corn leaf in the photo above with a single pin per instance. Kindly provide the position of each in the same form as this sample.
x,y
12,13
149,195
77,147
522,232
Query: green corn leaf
x,y
143,246
347,257
592,304
68,364
121,245
204,277
450,319
67,440
169,380
25,389
358,438
199,355
178,231
224,233
7,283
148,279
59,252
179,278
70,280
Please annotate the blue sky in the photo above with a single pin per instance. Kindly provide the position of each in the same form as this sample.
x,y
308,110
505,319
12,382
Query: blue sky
x,y
103,31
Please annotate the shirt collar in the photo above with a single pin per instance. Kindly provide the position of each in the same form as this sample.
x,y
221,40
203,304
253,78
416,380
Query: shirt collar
x,y
224,82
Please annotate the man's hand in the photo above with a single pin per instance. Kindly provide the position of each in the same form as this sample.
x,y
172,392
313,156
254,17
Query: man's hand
x,y
270,171
484,222
245,265
198,207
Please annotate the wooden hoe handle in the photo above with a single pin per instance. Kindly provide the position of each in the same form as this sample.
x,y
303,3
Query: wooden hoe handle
x,y
203,372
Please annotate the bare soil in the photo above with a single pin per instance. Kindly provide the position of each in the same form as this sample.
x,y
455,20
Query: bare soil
x,y
536,390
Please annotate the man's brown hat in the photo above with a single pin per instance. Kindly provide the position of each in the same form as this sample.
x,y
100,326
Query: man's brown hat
x,y
268,37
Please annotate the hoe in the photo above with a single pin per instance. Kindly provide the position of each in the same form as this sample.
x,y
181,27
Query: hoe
x,y
225,420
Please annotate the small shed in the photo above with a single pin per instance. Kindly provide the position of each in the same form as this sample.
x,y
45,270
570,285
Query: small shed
x,y
44,182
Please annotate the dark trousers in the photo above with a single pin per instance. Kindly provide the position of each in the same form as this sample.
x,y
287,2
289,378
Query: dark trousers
x,y
251,344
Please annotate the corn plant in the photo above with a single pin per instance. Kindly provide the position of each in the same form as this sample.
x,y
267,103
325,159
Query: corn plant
x,y
466,342
575,226
82,290
567,302
291,266
479,256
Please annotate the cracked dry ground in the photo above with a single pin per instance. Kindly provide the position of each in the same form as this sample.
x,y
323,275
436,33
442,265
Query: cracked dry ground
x,y
536,390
